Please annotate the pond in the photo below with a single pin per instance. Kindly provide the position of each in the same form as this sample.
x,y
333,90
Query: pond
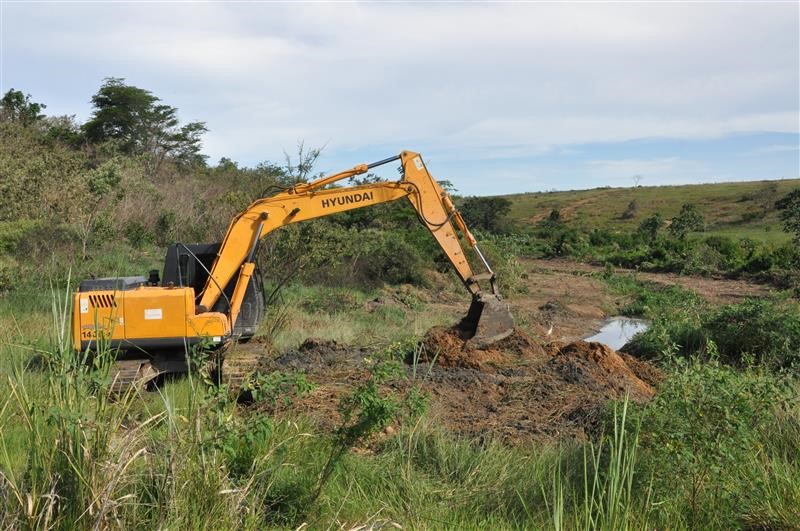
x,y
619,330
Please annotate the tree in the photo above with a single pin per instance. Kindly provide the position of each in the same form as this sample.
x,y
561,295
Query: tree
x,y
134,118
301,171
91,212
486,213
687,221
18,107
650,226
789,207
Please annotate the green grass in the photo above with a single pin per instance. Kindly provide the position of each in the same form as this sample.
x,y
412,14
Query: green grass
x,y
743,209
340,314
188,457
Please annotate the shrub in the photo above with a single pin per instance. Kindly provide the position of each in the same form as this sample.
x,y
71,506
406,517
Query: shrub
x,y
390,258
650,226
756,332
630,212
789,207
704,422
137,234
687,221
165,227
9,272
487,213
12,233
759,331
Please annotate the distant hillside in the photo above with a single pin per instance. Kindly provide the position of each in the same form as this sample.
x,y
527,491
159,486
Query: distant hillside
x,y
740,209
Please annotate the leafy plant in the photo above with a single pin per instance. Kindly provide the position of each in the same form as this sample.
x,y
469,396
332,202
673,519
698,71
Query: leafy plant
x,y
486,213
277,386
650,226
789,208
689,219
702,424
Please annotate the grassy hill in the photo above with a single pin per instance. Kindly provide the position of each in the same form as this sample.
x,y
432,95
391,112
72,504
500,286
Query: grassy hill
x,y
739,210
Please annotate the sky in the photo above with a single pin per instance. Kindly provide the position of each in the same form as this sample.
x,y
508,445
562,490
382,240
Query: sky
x,y
499,98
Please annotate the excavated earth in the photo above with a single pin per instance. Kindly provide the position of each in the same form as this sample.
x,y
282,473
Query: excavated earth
x,y
515,390
519,389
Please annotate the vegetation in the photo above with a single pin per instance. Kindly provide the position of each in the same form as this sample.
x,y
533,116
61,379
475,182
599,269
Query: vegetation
x,y
735,210
486,213
688,220
717,447
789,208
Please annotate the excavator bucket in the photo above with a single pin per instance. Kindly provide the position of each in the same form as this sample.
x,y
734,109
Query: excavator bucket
x,y
488,320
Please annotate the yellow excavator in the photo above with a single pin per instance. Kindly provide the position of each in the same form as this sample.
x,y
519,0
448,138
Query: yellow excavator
x,y
211,295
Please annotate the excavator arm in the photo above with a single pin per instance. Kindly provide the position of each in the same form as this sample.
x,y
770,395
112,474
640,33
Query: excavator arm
x,y
306,201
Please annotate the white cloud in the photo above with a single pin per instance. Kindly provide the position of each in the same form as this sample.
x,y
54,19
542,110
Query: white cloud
x,y
488,81
775,148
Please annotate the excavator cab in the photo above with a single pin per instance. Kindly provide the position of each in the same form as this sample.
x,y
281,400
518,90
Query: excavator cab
x,y
188,265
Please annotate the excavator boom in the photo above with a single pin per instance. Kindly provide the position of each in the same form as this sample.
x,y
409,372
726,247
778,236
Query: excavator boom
x,y
488,318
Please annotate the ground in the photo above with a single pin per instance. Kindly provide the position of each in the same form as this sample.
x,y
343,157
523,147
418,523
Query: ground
x,y
541,384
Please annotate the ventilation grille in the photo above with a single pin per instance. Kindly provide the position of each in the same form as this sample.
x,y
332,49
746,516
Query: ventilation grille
x,y
103,301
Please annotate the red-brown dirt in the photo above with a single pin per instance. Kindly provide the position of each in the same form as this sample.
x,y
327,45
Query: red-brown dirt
x,y
515,390
518,389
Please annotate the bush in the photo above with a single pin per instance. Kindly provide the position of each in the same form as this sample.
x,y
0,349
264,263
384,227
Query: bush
x,y
137,234
9,272
14,232
630,212
703,424
486,213
757,331
689,220
390,258
650,226
165,227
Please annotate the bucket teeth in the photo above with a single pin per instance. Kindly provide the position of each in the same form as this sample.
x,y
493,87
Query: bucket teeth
x,y
487,321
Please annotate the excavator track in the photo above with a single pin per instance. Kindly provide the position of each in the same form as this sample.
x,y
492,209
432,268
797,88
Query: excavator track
x,y
241,362
126,374
139,372
233,368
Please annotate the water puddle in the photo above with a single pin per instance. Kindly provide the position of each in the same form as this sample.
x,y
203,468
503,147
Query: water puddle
x,y
619,330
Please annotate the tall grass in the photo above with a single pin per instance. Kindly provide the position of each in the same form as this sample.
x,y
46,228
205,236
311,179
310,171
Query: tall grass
x,y
610,499
73,456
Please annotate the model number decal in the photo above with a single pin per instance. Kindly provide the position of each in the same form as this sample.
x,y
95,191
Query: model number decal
x,y
151,314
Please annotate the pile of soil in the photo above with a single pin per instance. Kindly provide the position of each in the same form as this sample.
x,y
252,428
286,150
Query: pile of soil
x,y
321,357
515,390
518,389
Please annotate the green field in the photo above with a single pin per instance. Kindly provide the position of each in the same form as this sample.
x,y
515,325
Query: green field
x,y
737,209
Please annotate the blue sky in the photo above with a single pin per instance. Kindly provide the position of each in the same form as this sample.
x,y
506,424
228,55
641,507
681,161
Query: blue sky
x,y
499,98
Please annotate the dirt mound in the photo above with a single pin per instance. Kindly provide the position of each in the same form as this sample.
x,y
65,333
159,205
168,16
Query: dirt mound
x,y
319,356
518,389
447,348
600,370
